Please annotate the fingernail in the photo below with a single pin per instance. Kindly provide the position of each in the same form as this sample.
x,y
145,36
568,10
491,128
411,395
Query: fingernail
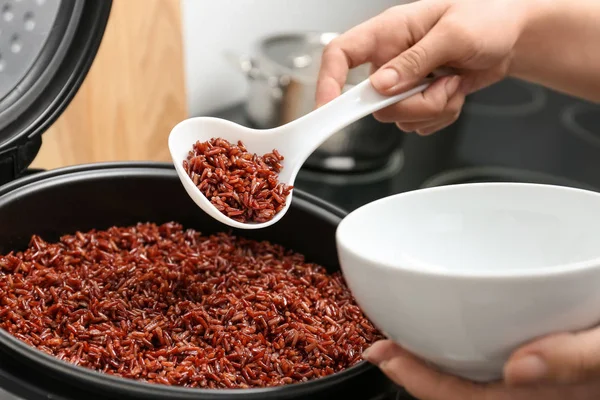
x,y
452,85
375,360
378,362
527,370
365,354
385,79
375,355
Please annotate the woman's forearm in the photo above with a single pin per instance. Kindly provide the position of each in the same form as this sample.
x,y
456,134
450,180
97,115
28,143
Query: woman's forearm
x,y
560,47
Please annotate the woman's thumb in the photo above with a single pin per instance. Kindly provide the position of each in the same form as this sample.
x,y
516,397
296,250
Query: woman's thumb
x,y
411,66
563,358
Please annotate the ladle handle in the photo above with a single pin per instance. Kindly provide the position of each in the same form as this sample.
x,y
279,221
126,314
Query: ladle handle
x,y
317,126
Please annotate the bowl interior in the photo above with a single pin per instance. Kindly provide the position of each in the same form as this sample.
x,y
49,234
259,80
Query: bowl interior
x,y
478,228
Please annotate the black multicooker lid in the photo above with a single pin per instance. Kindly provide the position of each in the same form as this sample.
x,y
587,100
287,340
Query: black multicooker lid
x,y
46,50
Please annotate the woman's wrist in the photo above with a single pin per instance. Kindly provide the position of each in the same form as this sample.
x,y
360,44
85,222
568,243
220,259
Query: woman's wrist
x,y
536,33
558,47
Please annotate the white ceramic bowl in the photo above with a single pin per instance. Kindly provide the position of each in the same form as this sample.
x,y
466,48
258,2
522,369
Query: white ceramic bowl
x,y
461,275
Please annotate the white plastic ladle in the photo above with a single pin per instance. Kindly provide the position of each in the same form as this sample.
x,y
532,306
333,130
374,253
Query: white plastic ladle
x,y
295,140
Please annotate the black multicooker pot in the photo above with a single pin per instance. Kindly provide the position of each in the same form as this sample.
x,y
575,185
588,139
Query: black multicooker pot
x,y
101,195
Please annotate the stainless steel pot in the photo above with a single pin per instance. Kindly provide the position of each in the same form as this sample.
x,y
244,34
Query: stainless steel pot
x,y
282,75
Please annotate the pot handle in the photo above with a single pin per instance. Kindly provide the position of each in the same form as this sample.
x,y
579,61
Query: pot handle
x,y
249,67
244,64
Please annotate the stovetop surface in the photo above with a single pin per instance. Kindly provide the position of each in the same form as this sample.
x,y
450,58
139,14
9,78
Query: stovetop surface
x,y
524,132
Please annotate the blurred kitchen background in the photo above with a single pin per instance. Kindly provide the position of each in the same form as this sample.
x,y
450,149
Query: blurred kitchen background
x,y
161,61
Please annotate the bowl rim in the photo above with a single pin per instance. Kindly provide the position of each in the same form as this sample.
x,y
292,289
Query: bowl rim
x,y
431,270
